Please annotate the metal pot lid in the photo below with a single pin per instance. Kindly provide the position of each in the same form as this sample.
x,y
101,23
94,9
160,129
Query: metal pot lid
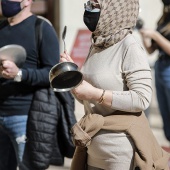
x,y
66,81
15,53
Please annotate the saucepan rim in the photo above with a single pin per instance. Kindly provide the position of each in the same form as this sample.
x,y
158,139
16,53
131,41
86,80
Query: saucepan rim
x,y
73,68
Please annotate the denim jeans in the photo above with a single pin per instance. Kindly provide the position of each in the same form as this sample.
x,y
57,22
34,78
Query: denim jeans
x,y
13,134
162,82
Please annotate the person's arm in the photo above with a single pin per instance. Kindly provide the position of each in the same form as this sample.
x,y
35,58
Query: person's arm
x,y
137,75
161,42
148,43
49,56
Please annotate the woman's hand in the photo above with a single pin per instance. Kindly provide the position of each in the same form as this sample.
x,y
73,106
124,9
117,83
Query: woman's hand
x,y
64,57
85,91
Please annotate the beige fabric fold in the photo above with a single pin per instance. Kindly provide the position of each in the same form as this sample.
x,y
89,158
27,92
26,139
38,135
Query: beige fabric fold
x,y
86,128
148,154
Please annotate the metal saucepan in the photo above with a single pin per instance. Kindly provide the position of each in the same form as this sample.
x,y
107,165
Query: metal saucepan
x,y
65,76
13,52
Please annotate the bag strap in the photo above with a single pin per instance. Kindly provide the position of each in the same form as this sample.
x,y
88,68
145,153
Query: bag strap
x,y
39,34
38,37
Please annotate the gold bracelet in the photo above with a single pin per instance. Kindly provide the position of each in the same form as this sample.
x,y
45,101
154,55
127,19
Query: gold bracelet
x,y
101,100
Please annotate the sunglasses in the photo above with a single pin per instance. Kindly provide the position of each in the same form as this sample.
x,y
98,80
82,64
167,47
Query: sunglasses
x,y
89,6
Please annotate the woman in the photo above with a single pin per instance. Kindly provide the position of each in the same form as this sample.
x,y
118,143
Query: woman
x,y
117,77
160,40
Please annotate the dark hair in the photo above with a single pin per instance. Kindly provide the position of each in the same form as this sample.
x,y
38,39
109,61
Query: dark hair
x,y
166,29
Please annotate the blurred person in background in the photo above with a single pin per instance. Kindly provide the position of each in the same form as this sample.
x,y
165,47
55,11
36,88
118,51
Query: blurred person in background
x,y
159,39
116,88
17,85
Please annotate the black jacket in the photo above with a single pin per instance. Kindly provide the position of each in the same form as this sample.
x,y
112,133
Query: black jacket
x,y
43,131
65,123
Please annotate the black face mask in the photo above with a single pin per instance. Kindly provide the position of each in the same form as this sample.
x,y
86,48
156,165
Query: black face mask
x,y
10,8
166,2
91,19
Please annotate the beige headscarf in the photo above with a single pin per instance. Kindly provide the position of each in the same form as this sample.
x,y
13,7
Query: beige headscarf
x,y
117,19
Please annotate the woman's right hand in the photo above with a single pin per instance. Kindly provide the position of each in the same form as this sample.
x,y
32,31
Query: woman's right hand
x,y
64,57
